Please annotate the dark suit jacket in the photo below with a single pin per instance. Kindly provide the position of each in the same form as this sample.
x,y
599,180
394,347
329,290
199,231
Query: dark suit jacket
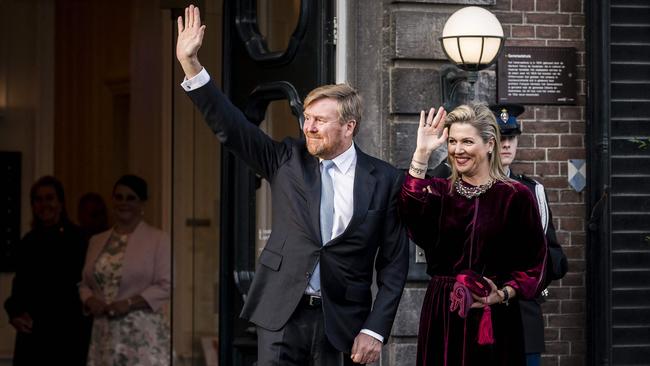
x,y
374,235
556,267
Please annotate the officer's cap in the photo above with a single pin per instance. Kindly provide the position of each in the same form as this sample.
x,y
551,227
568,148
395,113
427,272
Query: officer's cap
x,y
506,115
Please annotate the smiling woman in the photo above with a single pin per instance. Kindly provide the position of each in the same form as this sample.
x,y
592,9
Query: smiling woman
x,y
471,223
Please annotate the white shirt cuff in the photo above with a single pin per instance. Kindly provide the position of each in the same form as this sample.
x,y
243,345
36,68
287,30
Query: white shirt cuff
x,y
197,81
373,335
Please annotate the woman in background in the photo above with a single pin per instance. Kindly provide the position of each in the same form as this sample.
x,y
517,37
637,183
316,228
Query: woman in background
x,y
126,281
44,305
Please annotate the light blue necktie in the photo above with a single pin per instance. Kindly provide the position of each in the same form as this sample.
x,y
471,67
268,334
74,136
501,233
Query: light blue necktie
x,y
326,215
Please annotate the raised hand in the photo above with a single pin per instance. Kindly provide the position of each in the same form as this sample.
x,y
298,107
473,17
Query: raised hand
x,y
190,38
431,133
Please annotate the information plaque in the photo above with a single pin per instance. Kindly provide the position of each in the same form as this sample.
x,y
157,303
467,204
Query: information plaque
x,y
537,75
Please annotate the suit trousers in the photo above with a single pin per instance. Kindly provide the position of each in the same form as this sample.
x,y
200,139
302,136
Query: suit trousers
x,y
301,342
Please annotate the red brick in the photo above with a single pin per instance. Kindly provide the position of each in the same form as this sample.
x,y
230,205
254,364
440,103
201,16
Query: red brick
x,y
525,5
567,320
580,58
572,306
548,18
577,127
572,224
547,140
557,348
571,197
571,6
578,348
546,113
525,43
547,5
509,17
545,127
578,239
566,153
502,5
567,209
573,360
571,140
523,31
573,252
543,31
551,334
577,265
531,154
554,182
578,45
572,334
577,19
551,306
572,279
552,195
556,222
523,168
571,32
545,168
526,140
578,293
529,113
570,113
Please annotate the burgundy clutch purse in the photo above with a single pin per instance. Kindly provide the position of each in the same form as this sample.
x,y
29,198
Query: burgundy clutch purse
x,y
468,282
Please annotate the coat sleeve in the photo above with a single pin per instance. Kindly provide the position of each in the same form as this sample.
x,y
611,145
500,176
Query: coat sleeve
x,y
420,203
527,253
391,265
557,263
158,292
240,136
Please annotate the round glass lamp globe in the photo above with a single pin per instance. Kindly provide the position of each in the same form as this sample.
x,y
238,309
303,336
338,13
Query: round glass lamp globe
x,y
472,37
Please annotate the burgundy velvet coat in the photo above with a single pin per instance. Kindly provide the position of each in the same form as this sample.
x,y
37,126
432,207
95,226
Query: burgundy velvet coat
x,y
497,234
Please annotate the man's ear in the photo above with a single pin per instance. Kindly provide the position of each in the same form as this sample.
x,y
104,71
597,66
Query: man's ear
x,y
351,125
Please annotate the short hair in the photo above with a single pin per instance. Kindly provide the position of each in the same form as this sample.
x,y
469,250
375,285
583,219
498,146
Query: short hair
x,y
48,181
479,116
135,183
348,100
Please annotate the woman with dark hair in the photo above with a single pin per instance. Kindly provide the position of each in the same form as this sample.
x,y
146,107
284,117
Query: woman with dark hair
x,y
482,238
44,307
126,281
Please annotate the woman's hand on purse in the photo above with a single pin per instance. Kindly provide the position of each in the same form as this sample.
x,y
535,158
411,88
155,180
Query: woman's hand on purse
x,y
495,297
95,306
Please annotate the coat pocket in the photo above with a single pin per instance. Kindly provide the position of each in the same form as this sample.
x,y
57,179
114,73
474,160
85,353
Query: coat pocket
x,y
271,259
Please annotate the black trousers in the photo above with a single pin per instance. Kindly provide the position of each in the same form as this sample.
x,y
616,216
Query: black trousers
x,y
301,342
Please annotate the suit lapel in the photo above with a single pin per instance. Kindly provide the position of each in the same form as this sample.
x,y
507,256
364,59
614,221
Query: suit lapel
x,y
364,188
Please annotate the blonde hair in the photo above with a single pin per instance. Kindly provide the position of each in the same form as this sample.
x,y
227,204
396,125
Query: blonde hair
x,y
347,98
479,116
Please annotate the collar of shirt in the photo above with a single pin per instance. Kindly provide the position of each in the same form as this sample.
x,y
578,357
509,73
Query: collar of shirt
x,y
344,161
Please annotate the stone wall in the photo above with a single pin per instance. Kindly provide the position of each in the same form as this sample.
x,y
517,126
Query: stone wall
x,y
395,64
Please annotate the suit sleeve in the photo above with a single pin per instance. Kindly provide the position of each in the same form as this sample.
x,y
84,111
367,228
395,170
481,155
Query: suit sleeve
x,y
249,143
391,265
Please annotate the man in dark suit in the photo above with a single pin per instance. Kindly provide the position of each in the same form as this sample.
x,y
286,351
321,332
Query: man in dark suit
x,y
334,220
557,265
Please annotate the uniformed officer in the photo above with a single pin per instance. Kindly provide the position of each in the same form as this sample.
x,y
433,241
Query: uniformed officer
x,y
557,266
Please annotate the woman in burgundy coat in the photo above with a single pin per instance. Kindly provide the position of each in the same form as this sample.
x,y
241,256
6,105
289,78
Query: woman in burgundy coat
x,y
476,220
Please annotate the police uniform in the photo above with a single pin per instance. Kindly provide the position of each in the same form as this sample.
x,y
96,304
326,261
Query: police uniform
x,y
557,265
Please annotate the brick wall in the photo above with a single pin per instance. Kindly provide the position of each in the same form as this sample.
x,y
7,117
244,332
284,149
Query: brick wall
x,y
551,135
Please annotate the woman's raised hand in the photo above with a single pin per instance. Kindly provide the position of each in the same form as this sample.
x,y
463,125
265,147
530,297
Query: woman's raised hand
x,y
431,133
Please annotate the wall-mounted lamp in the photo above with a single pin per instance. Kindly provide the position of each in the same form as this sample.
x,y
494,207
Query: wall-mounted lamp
x,y
472,39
